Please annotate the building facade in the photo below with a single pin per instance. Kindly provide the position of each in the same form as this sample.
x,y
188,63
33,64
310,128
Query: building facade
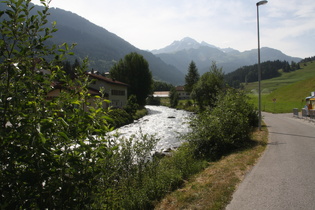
x,y
115,91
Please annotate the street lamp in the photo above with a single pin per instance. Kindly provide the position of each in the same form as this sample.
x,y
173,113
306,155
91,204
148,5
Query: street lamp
x,y
259,70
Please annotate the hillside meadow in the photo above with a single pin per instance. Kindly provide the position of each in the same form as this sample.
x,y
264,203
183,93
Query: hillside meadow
x,y
282,94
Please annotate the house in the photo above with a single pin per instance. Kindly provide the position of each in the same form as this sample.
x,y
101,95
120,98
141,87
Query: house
x,y
115,91
58,88
182,93
161,94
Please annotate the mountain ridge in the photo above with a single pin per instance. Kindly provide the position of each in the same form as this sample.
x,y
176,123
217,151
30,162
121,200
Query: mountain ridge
x,y
178,45
181,53
104,48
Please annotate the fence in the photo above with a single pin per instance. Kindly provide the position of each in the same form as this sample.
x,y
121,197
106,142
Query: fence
x,y
306,114
312,114
295,112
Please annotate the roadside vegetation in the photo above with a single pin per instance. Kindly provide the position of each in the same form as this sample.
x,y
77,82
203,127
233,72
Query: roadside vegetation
x,y
213,187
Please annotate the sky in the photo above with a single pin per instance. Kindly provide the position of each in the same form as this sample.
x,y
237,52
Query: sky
x,y
286,25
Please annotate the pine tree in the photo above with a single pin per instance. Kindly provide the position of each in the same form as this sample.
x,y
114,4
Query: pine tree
x,y
192,77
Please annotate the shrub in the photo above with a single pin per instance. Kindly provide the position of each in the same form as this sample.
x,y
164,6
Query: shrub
x,y
224,128
128,166
132,105
151,100
136,180
119,117
140,113
49,157
189,103
160,176
174,97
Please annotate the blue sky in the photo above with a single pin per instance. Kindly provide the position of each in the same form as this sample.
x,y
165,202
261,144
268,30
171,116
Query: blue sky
x,y
287,25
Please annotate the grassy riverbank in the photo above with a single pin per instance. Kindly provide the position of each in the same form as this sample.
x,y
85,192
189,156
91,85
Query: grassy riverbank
x,y
213,187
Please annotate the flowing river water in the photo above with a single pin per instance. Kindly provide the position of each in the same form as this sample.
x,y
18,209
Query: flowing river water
x,y
166,124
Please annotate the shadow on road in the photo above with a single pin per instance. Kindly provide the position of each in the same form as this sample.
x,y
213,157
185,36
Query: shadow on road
x,y
275,143
288,134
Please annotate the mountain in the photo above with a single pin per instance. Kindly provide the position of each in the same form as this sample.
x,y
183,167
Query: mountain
x,y
181,53
105,48
102,47
184,44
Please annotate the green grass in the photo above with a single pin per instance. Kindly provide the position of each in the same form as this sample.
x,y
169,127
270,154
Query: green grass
x,y
270,85
165,102
289,90
140,113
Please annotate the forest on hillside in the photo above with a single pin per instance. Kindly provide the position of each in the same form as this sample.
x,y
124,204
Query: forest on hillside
x,y
308,59
269,69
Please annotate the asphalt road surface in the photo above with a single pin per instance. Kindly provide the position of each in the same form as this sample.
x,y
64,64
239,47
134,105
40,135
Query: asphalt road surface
x,y
284,177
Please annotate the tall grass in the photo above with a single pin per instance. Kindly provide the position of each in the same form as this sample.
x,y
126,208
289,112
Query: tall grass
x,y
133,180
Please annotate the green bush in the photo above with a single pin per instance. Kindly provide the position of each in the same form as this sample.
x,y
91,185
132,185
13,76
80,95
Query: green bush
x,y
119,118
138,181
50,158
174,97
151,100
140,113
224,128
132,105
130,163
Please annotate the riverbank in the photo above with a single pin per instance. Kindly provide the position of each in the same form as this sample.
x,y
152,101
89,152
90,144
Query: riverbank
x,y
224,134
213,187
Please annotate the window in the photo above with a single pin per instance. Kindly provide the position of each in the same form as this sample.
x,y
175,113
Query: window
x,y
118,92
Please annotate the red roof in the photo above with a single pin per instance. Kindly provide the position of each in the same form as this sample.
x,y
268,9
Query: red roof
x,y
106,79
180,88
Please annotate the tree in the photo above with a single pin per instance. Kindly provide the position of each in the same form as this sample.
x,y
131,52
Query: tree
x,y
224,128
70,69
191,77
46,160
161,86
132,105
174,97
134,70
286,67
295,66
208,87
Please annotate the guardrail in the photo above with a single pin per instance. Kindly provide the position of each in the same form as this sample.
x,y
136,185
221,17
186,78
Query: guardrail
x,y
312,114
295,112
306,114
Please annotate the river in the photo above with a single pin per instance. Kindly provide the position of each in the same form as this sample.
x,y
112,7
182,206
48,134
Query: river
x,y
165,123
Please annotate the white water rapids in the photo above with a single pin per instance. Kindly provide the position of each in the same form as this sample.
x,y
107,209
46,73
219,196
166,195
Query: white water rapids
x,y
163,122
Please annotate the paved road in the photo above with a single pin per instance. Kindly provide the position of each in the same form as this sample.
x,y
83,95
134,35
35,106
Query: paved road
x,y
284,177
